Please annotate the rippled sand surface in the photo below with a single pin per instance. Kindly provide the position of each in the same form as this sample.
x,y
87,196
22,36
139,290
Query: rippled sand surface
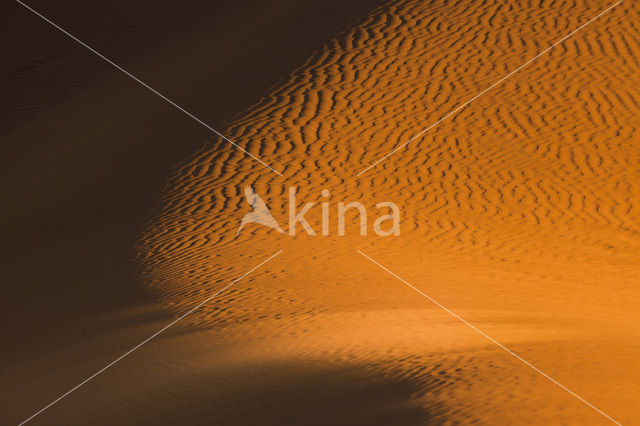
x,y
520,213
519,228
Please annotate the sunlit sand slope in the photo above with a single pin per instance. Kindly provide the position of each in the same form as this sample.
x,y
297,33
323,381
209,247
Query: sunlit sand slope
x,y
520,212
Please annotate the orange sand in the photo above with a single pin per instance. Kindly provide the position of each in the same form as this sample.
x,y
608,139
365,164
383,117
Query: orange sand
x,y
520,214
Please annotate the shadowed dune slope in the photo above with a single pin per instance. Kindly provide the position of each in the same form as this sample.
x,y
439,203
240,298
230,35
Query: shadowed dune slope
x,y
85,152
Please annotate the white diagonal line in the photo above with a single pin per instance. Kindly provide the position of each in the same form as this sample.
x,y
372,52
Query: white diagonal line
x,y
496,342
464,105
147,339
150,88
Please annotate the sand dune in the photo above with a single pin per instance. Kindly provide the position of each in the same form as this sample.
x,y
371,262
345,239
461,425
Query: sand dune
x,y
520,213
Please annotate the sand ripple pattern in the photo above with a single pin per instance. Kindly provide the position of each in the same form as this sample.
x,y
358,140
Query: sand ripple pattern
x,y
530,193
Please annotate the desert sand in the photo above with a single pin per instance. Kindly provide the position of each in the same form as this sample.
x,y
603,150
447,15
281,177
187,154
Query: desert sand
x,y
519,214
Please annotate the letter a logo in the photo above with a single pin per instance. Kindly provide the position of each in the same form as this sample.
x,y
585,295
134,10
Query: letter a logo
x,y
260,213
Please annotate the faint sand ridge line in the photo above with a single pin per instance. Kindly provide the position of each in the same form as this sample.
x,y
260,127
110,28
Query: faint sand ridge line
x,y
202,303
178,107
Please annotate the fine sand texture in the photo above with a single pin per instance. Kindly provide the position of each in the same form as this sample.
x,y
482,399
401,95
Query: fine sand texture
x,y
514,290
